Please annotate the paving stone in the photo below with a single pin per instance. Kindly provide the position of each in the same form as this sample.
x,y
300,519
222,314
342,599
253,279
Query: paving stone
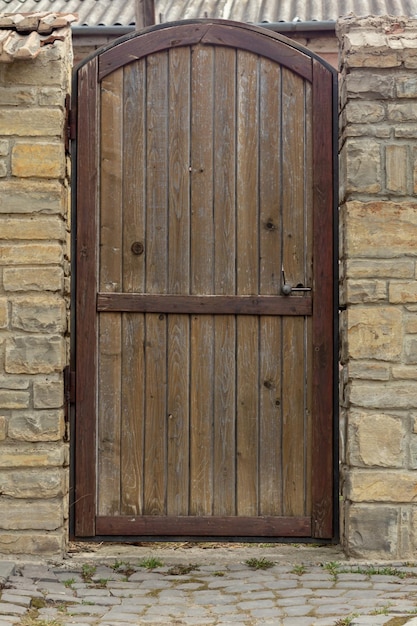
x,y
16,598
82,593
333,609
77,609
7,569
6,608
249,605
297,610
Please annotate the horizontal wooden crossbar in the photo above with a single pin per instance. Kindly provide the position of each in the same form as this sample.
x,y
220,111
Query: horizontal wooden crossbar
x,y
209,305
210,526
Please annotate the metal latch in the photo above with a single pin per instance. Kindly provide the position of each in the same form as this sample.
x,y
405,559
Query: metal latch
x,y
287,288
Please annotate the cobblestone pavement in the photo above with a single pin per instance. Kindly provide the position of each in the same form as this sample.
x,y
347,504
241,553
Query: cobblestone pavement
x,y
193,587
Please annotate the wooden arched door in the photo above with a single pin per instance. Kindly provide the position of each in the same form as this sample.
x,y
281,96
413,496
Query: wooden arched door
x,y
204,380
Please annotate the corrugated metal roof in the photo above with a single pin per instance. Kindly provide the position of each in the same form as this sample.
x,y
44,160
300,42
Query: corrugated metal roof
x,y
122,12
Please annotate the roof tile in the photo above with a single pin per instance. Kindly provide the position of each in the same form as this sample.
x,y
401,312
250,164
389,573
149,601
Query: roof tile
x,y
23,35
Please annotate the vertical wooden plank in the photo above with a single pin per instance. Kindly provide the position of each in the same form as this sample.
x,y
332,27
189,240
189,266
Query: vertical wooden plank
x,y
85,306
110,345
133,329
225,281
308,260
322,449
202,273
155,461
178,281
156,281
293,346
247,365
270,234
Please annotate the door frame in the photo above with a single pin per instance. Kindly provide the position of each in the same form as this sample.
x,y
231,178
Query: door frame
x,y
85,264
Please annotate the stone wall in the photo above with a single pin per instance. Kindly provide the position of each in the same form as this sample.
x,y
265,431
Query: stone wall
x,y
34,279
378,220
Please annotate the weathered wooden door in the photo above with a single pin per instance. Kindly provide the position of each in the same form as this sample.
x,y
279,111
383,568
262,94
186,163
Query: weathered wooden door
x,y
204,383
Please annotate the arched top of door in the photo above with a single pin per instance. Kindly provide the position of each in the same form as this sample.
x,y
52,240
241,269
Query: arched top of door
x,y
208,32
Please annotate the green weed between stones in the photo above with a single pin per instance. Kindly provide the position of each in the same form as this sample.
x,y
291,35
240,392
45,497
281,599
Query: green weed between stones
x,y
151,563
261,563
333,568
346,621
182,570
123,567
87,572
299,570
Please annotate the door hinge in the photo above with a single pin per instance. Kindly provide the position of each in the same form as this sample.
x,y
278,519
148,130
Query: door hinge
x,y
69,386
70,130
69,397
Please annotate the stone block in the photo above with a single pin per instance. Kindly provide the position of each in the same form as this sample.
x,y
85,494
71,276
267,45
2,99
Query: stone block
x,y
23,254
31,122
16,95
51,96
29,196
360,112
401,292
48,394
372,531
14,399
33,483
4,313
37,426
31,515
381,486
38,160
371,85
3,427
380,268
396,168
358,291
405,131
402,112
405,372
410,324
41,313
3,168
380,229
4,147
31,354
27,543
33,228
369,370
33,279
14,382
376,439
415,170
413,451
382,395
378,131
364,171
33,455
363,58
406,86
410,349
374,333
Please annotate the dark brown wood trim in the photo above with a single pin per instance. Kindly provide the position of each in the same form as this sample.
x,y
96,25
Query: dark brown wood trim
x,y
152,525
209,305
85,305
322,448
229,34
